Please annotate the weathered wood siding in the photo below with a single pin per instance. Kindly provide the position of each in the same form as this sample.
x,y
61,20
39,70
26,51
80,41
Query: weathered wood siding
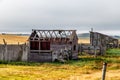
x,y
40,57
88,48
103,41
98,39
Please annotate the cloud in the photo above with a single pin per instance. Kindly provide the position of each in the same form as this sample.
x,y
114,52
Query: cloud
x,y
24,15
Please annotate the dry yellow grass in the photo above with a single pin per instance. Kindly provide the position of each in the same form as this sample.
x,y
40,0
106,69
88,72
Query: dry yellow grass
x,y
98,75
50,72
84,40
13,39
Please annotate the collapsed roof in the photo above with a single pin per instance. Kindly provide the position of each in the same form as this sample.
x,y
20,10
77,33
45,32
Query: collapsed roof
x,y
47,34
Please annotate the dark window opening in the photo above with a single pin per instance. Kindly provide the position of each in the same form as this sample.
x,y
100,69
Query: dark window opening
x,y
34,45
45,46
70,42
74,48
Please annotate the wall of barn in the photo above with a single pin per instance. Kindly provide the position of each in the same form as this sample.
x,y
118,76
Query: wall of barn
x,y
47,56
40,57
88,48
75,43
53,54
13,52
57,49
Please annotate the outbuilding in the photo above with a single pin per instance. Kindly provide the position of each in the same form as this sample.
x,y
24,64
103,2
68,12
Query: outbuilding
x,y
51,45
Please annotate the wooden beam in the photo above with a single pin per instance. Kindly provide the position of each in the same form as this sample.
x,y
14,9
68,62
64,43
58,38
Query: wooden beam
x,y
52,30
5,43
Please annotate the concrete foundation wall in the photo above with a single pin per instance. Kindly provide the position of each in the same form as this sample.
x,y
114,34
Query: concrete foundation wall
x,y
13,52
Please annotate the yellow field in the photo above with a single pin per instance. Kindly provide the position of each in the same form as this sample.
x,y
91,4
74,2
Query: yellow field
x,y
84,40
48,71
13,39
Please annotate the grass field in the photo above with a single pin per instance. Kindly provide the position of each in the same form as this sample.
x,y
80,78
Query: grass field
x,y
85,68
13,39
84,40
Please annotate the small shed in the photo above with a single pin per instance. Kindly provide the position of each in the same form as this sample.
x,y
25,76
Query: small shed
x,y
48,45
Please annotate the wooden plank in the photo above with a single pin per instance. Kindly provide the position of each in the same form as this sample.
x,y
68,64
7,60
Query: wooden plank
x,y
40,51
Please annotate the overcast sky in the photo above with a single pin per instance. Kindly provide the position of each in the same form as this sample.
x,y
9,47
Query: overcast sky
x,y
24,15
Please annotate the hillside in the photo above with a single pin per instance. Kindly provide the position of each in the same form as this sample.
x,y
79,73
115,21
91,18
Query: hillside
x,y
83,35
13,39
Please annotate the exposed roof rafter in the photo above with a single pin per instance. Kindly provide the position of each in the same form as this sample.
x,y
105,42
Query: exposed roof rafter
x,y
54,33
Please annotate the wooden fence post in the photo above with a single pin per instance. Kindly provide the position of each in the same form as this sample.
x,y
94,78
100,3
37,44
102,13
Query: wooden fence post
x,y
95,52
5,50
5,43
104,71
80,48
18,43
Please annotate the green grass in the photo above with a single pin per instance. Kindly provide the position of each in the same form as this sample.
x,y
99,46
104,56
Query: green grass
x,y
113,52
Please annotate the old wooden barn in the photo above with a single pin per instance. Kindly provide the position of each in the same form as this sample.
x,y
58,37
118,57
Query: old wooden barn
x,y
103,41
49,45
99,39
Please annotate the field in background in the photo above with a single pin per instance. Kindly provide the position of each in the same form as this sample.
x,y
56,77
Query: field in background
x,y
84,40
13,39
